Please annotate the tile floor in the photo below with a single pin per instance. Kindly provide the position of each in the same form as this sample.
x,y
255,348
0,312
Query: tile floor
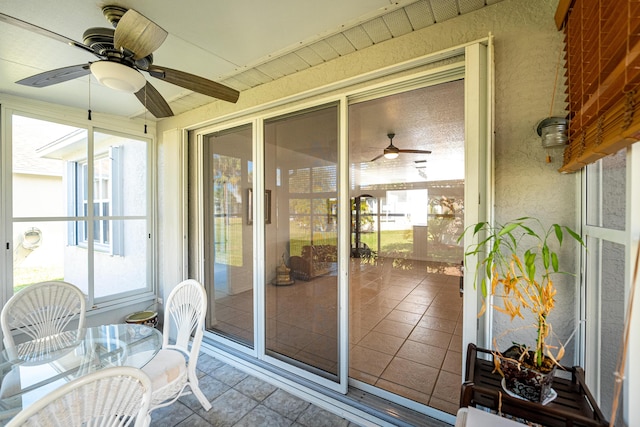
x,y
405,326
239,399
405,330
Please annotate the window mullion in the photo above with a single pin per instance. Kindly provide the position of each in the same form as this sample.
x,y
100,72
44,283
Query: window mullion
x,y
89,182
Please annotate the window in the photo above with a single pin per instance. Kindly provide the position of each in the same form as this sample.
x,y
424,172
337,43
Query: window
x,y
609,224
80,208
101,199
107,198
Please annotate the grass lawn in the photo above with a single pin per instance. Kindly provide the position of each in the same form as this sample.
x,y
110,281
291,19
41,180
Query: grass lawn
x,y
23,277
397,243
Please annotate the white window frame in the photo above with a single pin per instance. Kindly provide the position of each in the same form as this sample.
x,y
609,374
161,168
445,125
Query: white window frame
x,y
590,293
113,241
127,128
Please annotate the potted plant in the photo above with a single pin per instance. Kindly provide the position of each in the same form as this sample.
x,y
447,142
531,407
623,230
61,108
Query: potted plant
x,y
519,260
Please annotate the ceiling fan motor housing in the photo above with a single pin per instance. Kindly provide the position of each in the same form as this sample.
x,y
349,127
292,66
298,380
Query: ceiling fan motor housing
x,y
101,41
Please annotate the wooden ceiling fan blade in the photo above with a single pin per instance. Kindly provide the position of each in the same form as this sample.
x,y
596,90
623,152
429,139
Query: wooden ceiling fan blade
x,y
139,34
194,83
44,32
153,101
416,151
377,157
59,75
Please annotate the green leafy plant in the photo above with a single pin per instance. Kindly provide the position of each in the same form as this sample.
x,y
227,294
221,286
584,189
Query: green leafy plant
x,y
519,260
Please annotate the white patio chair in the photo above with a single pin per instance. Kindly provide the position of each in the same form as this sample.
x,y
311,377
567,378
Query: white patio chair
x,y
42,310
174,367
111,397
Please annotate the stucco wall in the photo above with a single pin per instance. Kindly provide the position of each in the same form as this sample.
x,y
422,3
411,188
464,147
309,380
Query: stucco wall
x,y
527,48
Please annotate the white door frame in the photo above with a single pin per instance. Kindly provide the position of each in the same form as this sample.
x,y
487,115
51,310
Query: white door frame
x,y
477,70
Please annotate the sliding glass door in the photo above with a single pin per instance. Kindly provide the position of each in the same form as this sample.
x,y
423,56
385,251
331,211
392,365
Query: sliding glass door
x,y
301,241
229,233
333,265
406,308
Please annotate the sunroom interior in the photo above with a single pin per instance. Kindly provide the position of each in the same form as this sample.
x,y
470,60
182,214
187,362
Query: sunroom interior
x,y
332,271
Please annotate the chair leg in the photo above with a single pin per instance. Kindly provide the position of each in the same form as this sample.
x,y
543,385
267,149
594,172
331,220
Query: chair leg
x,y
147,420
195,389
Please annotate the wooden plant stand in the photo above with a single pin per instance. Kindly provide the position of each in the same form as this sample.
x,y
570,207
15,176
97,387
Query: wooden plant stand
x,y
574,406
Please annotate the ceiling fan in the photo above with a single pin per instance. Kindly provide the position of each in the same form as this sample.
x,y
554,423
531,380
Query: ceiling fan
x,y
391,152
122,53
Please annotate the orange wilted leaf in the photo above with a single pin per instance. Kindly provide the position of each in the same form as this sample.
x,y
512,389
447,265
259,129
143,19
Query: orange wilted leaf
x,y
553,359
500,309
482,309
496,366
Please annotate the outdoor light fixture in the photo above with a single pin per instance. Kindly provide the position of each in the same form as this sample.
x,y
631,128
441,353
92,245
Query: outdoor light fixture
x,y
553,131
118,76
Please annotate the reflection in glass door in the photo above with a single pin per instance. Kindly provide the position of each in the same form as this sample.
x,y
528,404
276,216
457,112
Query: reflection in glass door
x,y
405,309
229,231
301,241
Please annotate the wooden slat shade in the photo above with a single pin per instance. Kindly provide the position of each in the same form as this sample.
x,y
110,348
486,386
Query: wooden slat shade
x,y
602,42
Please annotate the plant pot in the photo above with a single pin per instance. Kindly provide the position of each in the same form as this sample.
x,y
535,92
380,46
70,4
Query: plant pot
x,y
526,381
147,318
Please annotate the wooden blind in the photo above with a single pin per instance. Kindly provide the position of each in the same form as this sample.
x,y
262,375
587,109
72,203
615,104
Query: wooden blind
x,y
602,44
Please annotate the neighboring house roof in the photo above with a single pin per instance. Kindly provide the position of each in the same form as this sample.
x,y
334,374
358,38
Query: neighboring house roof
x,y
29,136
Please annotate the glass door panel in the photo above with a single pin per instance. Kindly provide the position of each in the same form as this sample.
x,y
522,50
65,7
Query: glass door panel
x,y
301,240
229,231
405,309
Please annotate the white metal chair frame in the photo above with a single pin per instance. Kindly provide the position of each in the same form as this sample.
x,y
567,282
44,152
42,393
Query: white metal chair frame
x,y
111,397
186,306
42,310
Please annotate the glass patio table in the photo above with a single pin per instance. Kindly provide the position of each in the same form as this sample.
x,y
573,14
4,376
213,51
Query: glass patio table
x,y
39,367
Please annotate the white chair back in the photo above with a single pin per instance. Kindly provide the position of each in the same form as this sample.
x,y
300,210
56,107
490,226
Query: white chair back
x,y
173,369
41,310
111,397
185,311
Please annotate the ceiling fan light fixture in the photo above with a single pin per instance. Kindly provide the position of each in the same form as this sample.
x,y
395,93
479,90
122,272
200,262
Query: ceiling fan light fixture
x,y
118,76
390,155
391,152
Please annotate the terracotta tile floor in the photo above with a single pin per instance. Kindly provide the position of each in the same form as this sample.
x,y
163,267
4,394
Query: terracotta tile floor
x,y
406,331
404,327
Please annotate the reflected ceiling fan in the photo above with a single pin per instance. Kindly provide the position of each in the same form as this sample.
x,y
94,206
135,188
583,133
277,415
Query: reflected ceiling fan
x,y
391,152
122,53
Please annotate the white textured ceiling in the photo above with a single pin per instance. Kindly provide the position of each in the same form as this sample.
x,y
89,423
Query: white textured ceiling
x,y
240,43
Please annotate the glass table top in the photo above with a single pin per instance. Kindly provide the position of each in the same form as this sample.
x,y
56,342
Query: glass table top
x,y
37,367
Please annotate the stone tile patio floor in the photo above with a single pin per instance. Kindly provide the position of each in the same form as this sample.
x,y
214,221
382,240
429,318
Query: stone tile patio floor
x,y
239,399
